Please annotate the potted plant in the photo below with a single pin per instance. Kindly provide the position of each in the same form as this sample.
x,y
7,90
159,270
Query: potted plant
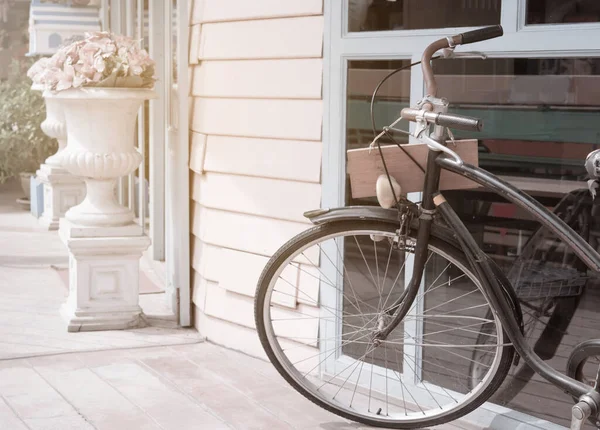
x,y
23,145
101,82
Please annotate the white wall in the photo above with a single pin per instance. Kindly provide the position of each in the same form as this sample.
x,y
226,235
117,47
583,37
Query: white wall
x,y
255,149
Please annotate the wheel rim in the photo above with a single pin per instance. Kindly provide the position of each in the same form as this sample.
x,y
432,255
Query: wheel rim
x,y
342,370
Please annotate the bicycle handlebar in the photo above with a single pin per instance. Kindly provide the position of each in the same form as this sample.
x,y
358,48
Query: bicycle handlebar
x,y
478,35
443,119
459,122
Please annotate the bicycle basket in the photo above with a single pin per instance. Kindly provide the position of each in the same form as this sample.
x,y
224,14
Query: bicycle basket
x,y
541,280
546,267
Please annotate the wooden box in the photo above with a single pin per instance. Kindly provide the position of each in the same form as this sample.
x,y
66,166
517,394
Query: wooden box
x,y
364,168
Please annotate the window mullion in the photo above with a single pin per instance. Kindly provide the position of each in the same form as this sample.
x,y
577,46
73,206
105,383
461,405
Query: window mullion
x,y
413,328
417,89
510,15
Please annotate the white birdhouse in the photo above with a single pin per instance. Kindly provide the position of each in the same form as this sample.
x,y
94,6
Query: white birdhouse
x,y
51,23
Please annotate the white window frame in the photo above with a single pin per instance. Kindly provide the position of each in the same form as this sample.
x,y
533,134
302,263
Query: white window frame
x,y
340,46
523,26
177,171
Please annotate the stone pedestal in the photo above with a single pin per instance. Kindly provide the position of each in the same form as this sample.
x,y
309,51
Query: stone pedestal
x,y
103,277
62,191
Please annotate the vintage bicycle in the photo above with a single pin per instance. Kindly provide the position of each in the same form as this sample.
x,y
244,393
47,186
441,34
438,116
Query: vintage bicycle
x,y
393,316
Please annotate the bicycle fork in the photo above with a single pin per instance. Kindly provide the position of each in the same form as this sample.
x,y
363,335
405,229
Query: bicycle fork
x,y
404,303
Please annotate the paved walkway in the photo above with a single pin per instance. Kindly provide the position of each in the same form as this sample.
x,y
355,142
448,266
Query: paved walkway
x,y
200,386
150,378
32,290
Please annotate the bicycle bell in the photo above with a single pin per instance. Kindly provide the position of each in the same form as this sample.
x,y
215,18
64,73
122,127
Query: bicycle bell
x,y
592,165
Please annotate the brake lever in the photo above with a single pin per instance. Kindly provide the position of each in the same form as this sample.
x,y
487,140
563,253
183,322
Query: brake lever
x,y
449,53
397,130
385,130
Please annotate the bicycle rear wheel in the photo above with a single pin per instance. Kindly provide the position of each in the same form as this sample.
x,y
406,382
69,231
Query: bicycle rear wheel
x,y
325,293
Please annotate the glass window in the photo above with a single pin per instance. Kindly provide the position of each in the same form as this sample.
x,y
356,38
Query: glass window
x,y
538,114
381,15
562,12
363,77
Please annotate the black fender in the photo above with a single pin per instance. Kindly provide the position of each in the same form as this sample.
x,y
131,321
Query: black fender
x,y
373,213
392,216
376,213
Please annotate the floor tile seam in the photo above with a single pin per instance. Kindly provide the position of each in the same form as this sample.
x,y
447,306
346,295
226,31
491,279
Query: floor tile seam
x,y
279,381
77,411
92,336
41,334
61,349
134,403
181,391
250,399
15,413
91,340
87,351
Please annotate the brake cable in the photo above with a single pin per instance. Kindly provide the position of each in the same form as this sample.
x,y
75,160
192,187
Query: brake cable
x,y
387,133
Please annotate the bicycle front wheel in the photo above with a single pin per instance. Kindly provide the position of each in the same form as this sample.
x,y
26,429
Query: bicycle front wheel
x,y
323,296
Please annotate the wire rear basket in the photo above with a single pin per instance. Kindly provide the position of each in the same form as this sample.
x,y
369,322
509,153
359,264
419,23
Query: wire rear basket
x,y
546,267
540,280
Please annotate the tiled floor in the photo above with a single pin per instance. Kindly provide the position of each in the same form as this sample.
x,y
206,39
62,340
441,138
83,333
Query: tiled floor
x,y
30,323
199,386
31,292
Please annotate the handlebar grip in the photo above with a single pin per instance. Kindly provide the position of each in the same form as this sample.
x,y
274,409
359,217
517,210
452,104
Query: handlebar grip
x,y
481,34
459,122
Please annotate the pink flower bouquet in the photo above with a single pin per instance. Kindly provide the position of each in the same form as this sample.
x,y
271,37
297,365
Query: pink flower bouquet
x,y
37,70
101,59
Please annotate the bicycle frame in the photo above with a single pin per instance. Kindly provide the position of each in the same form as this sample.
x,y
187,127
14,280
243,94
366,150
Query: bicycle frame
x,y
481,264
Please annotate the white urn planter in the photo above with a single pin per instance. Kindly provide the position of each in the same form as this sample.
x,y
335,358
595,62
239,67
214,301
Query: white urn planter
x,y
104,243
61,189
101,129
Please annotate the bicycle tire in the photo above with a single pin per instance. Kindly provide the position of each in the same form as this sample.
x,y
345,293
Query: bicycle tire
x,y
323,230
